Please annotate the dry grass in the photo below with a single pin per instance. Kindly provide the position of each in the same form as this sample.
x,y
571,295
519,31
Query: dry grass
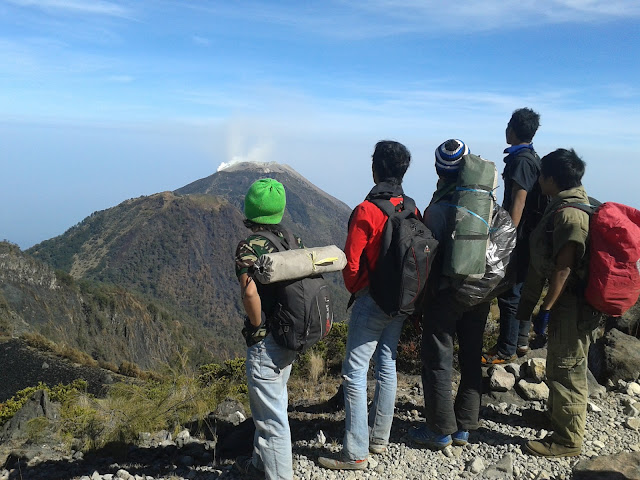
x,y
304,389
316,366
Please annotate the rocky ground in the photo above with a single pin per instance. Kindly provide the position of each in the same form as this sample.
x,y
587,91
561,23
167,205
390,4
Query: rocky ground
x,y
496,450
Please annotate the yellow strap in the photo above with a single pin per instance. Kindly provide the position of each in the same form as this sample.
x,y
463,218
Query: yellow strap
x,y
320,263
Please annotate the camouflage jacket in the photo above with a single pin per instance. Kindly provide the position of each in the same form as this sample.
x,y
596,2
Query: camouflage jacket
x,y
248,252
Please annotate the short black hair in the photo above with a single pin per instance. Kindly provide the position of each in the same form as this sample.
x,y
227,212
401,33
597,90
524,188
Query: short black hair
x,y
565,167
524,123
390,161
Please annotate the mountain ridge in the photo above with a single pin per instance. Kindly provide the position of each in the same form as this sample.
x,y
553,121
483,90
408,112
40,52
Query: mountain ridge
x,y
176,249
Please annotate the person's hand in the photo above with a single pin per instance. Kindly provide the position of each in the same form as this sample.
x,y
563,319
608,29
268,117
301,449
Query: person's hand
x,y
253,334
541,322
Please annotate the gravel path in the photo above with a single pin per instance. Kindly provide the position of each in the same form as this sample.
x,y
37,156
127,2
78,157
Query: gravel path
x,y
495,450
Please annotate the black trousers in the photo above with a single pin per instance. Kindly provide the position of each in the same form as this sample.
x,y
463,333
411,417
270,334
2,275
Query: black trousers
x,y
443,320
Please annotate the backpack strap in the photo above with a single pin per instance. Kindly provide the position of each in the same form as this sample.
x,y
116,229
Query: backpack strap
x,y
587,208
527,152
405,208
286,243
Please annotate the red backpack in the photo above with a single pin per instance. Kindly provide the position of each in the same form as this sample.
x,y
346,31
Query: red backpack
x,y
613,286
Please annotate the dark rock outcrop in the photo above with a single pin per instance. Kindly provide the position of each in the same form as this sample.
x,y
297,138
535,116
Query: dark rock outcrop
x,y
23,366
621,356
624,466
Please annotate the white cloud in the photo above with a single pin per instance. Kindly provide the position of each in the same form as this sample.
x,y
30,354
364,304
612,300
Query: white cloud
x,y
93,7
381,18
202,41
121,78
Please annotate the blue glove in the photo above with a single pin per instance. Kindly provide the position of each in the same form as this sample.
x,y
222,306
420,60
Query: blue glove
x,y
541,322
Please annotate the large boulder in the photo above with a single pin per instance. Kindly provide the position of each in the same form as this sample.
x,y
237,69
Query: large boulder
x,y
38,405
20,443
628,323
621,355
622,466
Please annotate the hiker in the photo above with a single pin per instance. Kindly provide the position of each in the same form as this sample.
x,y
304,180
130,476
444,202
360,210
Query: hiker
x,y
268,364
558,254
444,318
372,333
525,204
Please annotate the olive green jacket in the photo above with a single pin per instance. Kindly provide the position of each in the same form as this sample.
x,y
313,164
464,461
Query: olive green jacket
x,y
555,230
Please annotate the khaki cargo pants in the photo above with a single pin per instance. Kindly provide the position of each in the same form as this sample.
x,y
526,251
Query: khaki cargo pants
x,y
570,332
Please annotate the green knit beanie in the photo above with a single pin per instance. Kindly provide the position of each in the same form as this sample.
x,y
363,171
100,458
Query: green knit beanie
x,y
265,201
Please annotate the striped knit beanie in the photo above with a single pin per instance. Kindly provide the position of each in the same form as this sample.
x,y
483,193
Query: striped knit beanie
x,y
449,155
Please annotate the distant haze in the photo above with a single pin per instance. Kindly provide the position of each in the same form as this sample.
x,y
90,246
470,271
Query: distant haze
x,y
106,101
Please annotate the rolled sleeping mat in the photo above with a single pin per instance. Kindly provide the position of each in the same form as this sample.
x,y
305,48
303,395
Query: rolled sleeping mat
x,y
298,263
473,202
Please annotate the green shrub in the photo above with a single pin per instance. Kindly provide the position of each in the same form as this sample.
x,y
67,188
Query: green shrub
x,y
60,393
64,278
37,429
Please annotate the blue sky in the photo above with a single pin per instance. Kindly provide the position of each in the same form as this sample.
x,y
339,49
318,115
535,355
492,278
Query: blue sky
x,y
101,101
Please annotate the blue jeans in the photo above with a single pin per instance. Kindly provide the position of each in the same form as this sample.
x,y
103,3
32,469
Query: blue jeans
x,y
268,367
513,332
372,333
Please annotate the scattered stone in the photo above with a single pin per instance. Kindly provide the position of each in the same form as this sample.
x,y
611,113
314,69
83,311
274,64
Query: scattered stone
x,y
476,466
630,411
534,391
124,475
592,407
513,369
633,389
502,470
595,389
537,369
236,418
632,422
501,380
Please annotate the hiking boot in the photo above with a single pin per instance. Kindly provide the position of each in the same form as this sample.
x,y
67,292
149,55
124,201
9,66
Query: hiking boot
x,y
522,350
343,464
460,438
434,441
244,465
497,359
377,448
550,449
539,341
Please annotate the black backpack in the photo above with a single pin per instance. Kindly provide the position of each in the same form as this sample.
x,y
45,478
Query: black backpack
x,y
406,252
535,204
303,312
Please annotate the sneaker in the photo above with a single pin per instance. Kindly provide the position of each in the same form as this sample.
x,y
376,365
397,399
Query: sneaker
x,y
550,449
522,350
497,359
460,438
434,441
377,448
244,465
343,464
